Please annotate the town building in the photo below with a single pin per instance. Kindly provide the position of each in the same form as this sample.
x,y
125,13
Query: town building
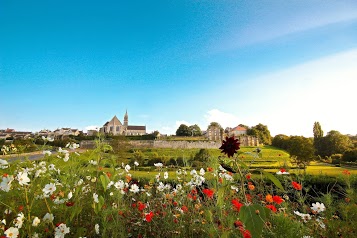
x,y
115,127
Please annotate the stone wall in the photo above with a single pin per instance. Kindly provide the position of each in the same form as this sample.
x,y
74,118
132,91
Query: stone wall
x,y
245,141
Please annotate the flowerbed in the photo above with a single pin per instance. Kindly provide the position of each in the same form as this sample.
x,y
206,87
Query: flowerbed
x,y
73,195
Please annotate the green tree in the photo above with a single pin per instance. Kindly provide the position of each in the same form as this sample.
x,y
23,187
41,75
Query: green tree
x,y
262,132
281,141
301,149
334,143
195,130
183,130
318,135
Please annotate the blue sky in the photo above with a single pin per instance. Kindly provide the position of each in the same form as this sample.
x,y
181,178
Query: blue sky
x,y
77,64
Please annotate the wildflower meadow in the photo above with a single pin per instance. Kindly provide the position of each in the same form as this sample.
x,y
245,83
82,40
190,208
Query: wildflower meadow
x,y
69,194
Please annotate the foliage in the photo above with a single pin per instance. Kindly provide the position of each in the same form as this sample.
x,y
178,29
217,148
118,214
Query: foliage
x,y
334,143
203,155
301,149
183,130
262,132
77,192
281,141
318,135
350,156
195,130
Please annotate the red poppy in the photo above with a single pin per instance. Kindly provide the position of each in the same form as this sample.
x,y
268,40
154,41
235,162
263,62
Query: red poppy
x,y
269,198
238,224
248,176
209,169
296,185
282,170
277,199
184,208
230,146
69,204
149,216
346,172
246,234
141,206
236,204
248,197
209,192
271,207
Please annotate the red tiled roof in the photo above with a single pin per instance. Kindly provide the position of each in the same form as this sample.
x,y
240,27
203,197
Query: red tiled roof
x,y
239,128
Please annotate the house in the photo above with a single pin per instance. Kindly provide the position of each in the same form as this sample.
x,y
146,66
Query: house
x,y
238,131
115,127
214,133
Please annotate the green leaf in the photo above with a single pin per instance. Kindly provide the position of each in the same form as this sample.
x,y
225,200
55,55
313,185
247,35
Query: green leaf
x,y
220,197
254,217
105,181
273,179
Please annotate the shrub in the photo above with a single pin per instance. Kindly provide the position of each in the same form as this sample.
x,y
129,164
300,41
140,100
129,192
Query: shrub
x,y
350,156
202,155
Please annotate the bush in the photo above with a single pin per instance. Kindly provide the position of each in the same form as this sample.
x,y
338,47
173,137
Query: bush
x,y
350,156
202,155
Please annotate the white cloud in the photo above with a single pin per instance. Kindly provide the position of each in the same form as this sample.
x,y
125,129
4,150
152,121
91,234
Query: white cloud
x,y
223,118
321,90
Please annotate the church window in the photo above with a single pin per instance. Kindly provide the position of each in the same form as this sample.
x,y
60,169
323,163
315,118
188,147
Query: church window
x,y
117,128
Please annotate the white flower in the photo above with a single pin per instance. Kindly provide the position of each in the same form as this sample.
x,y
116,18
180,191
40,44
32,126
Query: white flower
x,y
3,164
51,167
92,162
318,207
96,227
158,177
322,225
12,232
94,179
62,151
35,235
22,178
305,217
36,221
5,185
193,172
202,171
134,188
48,218
166,175
280,173
158,165
119,185
95,197
47,152
49,189
136,163
234,188
3,221
110,184
19,220
61,230
127,168
70,194
66,157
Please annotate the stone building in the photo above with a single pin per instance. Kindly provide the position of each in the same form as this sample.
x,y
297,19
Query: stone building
x,y
115,127
214,133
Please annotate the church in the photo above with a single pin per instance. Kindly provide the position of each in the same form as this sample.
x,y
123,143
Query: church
x,y
115,127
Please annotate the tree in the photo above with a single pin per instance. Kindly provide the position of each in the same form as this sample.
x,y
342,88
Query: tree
x,y
334,143
318,135
281,141
318,132
245,126
215,124
183,130
195,130
301,149
261,131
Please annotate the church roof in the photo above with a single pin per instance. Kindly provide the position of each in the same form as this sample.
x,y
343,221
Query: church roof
x,y
136,127
239,128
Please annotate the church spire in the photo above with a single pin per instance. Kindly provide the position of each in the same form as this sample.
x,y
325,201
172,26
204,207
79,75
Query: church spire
x,y
126,118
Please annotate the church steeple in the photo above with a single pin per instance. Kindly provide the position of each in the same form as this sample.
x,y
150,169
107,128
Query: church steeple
x,y
126,118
